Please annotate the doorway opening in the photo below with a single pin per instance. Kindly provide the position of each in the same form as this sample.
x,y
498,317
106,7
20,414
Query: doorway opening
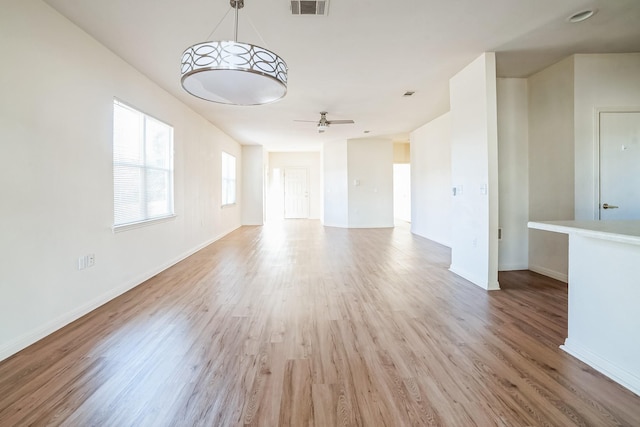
x,y
288,195
402,192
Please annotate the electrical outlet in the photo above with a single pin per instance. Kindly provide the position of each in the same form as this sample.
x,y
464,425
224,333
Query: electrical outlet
x,y
91,260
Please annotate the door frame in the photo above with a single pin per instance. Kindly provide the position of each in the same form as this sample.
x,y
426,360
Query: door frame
x,y
596,156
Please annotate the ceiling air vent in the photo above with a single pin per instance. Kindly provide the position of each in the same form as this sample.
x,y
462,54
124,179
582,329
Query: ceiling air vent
x,y
302,7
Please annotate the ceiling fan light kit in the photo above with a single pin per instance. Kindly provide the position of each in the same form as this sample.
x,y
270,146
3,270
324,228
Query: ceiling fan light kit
x,y
323,123
229,72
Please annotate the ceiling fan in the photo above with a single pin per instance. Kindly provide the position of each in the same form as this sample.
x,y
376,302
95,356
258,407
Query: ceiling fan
x,y
324,124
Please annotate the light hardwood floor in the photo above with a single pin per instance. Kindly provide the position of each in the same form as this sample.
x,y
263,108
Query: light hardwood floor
x,y
294,324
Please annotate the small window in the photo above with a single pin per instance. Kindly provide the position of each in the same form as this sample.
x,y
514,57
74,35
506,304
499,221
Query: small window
x,y
228,179
142,167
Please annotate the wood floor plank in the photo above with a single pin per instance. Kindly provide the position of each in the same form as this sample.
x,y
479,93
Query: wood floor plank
x,y
297,324
296,406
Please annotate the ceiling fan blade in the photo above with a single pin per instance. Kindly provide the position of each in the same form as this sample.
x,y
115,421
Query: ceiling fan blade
x,y
306,121
340,122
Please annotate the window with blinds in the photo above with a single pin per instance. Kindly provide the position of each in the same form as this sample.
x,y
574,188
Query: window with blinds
x,y
142,167
228,179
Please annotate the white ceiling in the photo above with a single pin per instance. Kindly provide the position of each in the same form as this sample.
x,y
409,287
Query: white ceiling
x,y
356,62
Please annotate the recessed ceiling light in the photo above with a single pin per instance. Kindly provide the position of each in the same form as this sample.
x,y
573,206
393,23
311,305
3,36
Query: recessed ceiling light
x,y
409,93
581,16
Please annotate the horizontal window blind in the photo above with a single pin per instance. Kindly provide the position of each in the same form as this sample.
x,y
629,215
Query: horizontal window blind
x,y
228,179
142,166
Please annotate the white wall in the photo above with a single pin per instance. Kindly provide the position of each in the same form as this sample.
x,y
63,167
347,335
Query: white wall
x,y
551,164
370,178
252,205
513,160
601,81
309,161
474,168
336,189
431,180
358,183
56,179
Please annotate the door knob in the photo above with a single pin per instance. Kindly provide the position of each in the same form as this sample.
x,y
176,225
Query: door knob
x,y
608,206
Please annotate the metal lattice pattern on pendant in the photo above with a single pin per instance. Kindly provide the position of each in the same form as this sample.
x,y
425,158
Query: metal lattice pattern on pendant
x,y
228,55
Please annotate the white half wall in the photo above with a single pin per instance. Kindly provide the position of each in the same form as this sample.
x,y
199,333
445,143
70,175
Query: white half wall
x,y
474,172
513,161
252,205
56,176
606,81
551,165
370,179
431,180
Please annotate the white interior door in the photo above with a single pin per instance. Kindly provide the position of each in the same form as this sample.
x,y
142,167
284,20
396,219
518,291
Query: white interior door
x,y
296,193
619,165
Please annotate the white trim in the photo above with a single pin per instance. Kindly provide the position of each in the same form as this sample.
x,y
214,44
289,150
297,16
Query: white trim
x,y
616,373
130,106
133,225
424,236
513,267
475,280
42,331
550,273
334,225
364,225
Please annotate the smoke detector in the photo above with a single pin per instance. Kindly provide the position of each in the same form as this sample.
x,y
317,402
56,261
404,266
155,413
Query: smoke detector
x,y
303,7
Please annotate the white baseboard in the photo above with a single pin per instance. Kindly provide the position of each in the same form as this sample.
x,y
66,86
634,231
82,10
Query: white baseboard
x,y
437,240
31,337
623,377
334,225
513,267
550,273
475,280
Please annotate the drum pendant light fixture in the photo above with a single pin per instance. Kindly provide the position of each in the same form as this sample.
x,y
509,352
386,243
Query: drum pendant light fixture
x,y
229,72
